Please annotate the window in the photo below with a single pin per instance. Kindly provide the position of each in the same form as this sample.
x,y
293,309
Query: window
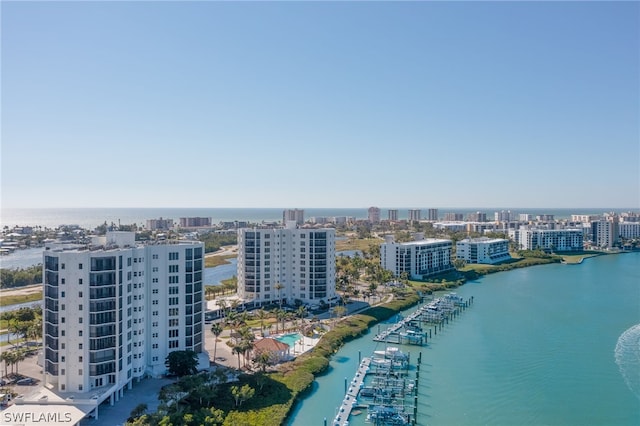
x,y
80,333
173,300
62,345
173,312
173,268
173,290
80,307
155,324
80,281
155,346
154,269
62,358
173,279
62,333
173,333
155,313
62,281
173,255
79,371
154,291
155,302
174,322
80,347
62,307
62,372
155,280
80,358
79,294
80,320
173,344
79,265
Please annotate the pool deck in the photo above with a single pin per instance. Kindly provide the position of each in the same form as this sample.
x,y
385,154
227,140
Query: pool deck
x,y
301,345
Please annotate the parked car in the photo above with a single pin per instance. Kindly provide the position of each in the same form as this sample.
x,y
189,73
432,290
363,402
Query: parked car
x,y
25,382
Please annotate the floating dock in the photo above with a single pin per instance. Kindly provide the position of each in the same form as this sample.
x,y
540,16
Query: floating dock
x,y
350,398
436,311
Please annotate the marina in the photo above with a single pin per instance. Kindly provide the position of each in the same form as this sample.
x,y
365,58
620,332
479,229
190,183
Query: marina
x,y
438,311
386,383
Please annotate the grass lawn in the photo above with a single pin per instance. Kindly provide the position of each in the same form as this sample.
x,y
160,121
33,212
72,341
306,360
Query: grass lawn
x,y
13,300
356,244
213,261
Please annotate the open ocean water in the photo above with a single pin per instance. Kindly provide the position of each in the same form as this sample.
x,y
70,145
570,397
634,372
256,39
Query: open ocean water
x,y
546,345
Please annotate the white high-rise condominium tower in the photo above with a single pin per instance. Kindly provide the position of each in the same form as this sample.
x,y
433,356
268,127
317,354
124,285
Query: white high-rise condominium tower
x,y
296,215
286,264
115,309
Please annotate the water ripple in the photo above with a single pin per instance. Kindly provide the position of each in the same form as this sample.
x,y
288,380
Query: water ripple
x,y
627,355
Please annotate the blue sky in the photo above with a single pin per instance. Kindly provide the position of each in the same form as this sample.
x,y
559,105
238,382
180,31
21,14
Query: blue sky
x,y
341,104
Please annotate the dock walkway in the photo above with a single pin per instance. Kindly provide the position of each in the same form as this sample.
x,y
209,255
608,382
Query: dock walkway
x,y
350,398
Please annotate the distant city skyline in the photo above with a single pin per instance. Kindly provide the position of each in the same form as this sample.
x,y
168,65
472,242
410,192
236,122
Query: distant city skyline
x,y
314,104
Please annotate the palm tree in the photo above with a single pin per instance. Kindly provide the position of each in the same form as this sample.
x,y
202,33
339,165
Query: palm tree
x,y
216,329
208,291
301,312
279,315
263,358
19,356
7,357
237,350
222,303
262,315
279,287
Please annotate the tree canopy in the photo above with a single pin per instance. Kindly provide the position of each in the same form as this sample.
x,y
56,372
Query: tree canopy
x,y
181,363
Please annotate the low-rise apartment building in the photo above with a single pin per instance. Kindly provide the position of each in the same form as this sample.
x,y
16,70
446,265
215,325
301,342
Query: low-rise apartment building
x,y
483,250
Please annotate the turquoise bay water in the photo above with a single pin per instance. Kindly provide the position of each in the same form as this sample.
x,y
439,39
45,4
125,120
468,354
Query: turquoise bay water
x,y
537,347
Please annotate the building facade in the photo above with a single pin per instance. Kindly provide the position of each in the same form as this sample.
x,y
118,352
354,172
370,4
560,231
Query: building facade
x,y
195,222
414,215
373,215
296,215
477,217
483,250
605,233
419,259
548,239
114,310
453,217
393,215
286,264
629,230
159,224
432,214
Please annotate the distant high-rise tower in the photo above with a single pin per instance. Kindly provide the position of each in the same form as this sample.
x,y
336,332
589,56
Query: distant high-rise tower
x,y
414,215
296,215
432,214
374,214
477,217
453,217
393,215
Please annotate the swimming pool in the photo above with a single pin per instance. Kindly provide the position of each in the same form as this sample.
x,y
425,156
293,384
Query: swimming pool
x,y
289,339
